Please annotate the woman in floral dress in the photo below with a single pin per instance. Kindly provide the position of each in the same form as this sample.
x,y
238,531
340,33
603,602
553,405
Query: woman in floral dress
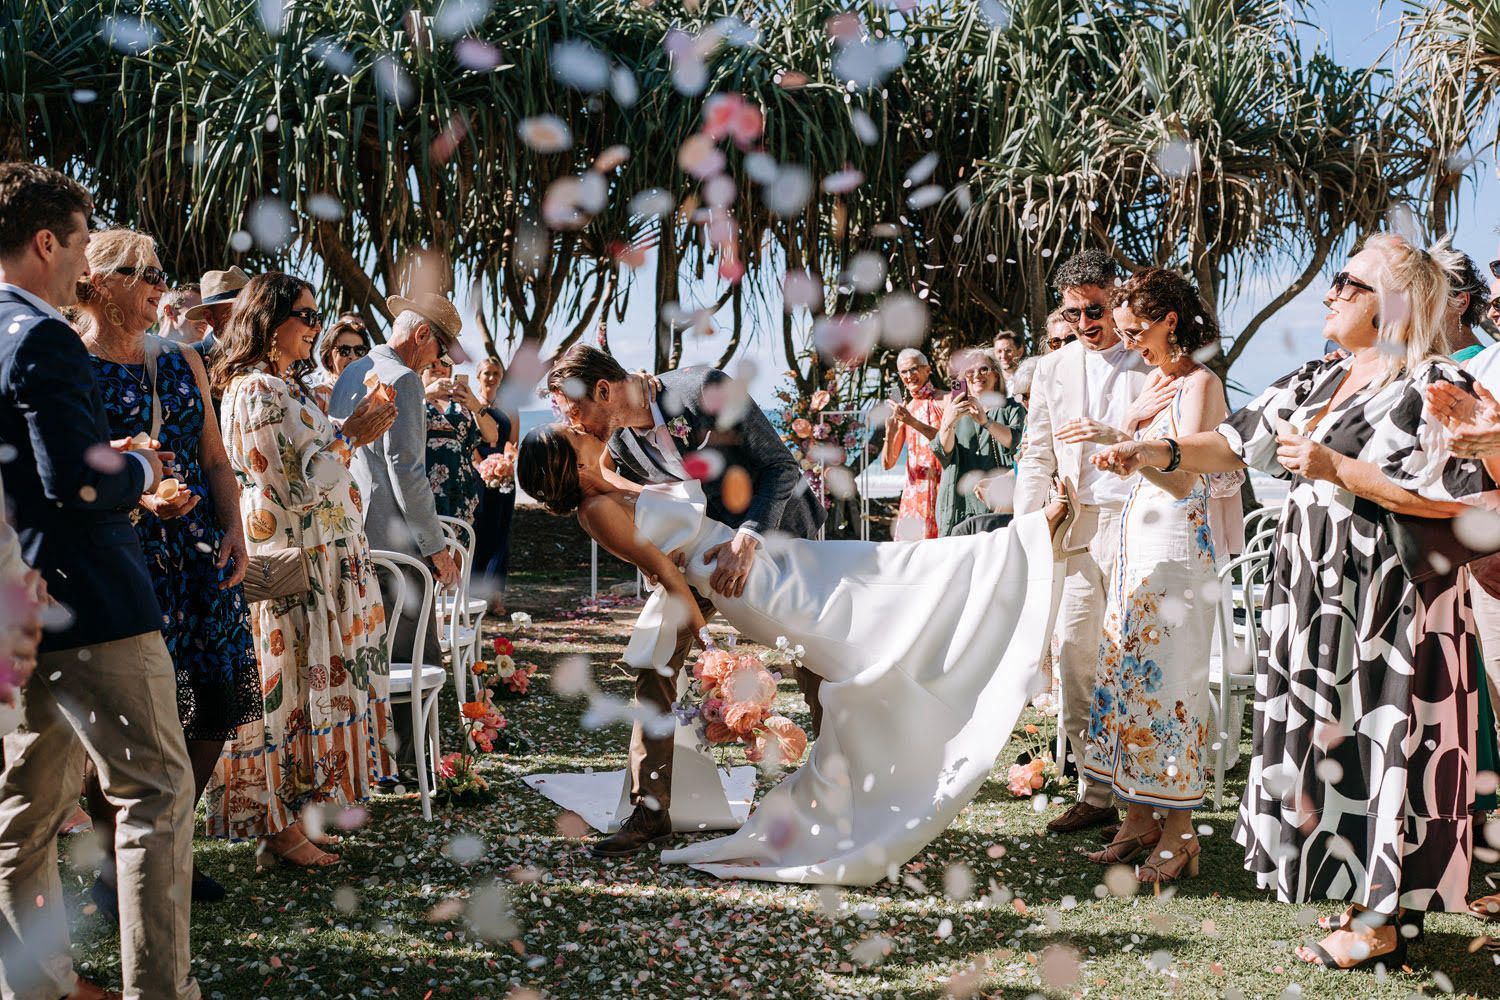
x,y
913,425
322,654
457,425
1363,771
1150,720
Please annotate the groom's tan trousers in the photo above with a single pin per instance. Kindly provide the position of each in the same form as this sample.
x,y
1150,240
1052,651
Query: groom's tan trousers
x,y
651,746
1080,624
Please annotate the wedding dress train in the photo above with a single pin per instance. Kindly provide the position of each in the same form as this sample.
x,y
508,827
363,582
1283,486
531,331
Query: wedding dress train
x,y
929,651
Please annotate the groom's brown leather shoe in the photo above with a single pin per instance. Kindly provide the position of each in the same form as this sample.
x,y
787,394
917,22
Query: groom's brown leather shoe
x,y
1081,816
641,828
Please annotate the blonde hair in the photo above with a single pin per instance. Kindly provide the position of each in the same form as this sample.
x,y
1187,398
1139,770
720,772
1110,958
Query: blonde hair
x,y
107,250
1413,288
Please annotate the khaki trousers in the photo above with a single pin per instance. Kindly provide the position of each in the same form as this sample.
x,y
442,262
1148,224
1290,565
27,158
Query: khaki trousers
x,y
115,703
1080,625
651,742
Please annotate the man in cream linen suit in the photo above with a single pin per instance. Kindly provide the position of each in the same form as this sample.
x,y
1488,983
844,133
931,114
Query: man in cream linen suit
x,y
1095,376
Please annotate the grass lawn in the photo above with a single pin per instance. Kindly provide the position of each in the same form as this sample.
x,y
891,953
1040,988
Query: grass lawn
x,y
495,900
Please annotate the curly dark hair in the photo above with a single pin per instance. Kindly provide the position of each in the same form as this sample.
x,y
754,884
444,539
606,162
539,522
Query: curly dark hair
x,y
1153,292
1086,267
547,469
260,307
1468,279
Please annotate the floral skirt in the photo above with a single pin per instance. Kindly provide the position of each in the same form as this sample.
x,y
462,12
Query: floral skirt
x,y
325,685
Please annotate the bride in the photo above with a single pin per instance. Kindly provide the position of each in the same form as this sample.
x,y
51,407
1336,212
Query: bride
x,y
929,650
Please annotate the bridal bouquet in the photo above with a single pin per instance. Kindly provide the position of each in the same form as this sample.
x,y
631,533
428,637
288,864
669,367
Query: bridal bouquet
x,y
729,701
499,470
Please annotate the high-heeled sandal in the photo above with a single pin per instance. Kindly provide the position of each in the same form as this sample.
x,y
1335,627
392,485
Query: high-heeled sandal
x,y
1186,858
1345,921
1123,852
1486,907
1069,496
1323,958
296,855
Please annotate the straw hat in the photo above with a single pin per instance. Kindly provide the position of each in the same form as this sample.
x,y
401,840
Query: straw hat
x,y
218,287
438,311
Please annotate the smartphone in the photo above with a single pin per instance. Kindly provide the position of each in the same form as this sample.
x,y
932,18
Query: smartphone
x,y
461,379
962,389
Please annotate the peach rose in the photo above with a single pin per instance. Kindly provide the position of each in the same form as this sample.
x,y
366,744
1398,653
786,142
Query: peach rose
x,y
718,732
712,667
742,717
820,399
802,428
750,684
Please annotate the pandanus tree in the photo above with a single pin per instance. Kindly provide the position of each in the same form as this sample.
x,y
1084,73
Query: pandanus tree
x,y
537,152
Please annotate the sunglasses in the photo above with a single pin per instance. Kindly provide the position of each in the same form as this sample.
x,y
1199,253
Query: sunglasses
x,y
1073,314
309,316
1495,268
1343,281
1055,342
150,275
350,350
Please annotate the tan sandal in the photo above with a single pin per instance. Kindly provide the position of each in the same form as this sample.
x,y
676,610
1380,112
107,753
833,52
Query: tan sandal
x,y
1159,870
302,853
1486,907
1122,852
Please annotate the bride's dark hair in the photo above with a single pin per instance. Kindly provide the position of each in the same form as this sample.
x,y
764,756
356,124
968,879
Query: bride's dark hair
x,y
547,469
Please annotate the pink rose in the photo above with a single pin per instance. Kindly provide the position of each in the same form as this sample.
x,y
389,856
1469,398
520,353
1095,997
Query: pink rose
x,y
1018,780
820,399
752,685
802,428
713,710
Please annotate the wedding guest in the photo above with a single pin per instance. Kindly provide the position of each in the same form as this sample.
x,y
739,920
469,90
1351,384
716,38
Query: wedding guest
x,y
1059,331
391,468
194,545
1150,722
496,505
1095,376
103,687
1364,710
1010,351
323,658
976,439
217,292
1019,389
171,315
912,425
345,340
1468,300
456,426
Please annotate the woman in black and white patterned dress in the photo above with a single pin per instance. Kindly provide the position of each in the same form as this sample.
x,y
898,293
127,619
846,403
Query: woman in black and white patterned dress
x,y
1365,698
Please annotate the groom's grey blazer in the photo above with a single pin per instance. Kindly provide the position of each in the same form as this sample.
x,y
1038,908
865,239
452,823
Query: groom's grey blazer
x,y
781,499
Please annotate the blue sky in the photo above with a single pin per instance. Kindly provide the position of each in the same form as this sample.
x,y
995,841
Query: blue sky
x,y
1357,32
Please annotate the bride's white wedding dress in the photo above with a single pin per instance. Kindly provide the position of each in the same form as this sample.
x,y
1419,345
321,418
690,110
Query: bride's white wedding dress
x,y
929,651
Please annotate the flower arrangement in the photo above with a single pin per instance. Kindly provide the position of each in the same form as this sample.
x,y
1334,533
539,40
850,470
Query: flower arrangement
x,y
729,701
499,470
817,438
1034,772
503,676
459,782
483,723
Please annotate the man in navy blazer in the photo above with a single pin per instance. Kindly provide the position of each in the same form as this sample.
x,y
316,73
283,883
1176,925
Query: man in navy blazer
x,y
104,685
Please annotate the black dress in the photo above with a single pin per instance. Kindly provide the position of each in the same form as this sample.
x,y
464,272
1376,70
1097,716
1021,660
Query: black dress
x,y
492,521
1363,771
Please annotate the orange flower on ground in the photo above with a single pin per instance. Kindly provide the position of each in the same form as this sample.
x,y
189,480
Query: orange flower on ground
x,y
475,709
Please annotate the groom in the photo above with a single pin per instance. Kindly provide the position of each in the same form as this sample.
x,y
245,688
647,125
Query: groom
x,y
697,409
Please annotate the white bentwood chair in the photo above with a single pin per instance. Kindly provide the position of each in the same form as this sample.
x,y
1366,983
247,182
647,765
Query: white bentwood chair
x,y
414,682
460,617
1232,665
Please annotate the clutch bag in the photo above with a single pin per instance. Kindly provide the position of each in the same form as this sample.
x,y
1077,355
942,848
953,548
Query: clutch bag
x,y
282,573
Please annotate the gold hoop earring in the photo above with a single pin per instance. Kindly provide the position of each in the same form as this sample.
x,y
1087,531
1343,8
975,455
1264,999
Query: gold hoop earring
x,y
114,315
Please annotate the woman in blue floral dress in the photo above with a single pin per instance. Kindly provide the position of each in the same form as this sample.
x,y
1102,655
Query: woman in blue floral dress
x,y
193,541
456,426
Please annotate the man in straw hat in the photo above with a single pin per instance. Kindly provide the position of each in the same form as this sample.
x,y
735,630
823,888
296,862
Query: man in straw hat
x,y
400,512
218,290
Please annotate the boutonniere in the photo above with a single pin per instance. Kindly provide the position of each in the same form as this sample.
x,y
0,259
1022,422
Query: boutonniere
x,y
678,428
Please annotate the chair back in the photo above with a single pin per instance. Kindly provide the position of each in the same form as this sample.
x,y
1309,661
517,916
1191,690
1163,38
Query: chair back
x,y
394,563
1239,642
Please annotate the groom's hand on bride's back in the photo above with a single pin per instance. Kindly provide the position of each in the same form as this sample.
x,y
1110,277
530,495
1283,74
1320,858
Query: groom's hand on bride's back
x,y
732,561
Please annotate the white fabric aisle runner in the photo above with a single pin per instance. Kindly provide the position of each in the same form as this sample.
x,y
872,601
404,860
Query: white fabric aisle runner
x,y
596,797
